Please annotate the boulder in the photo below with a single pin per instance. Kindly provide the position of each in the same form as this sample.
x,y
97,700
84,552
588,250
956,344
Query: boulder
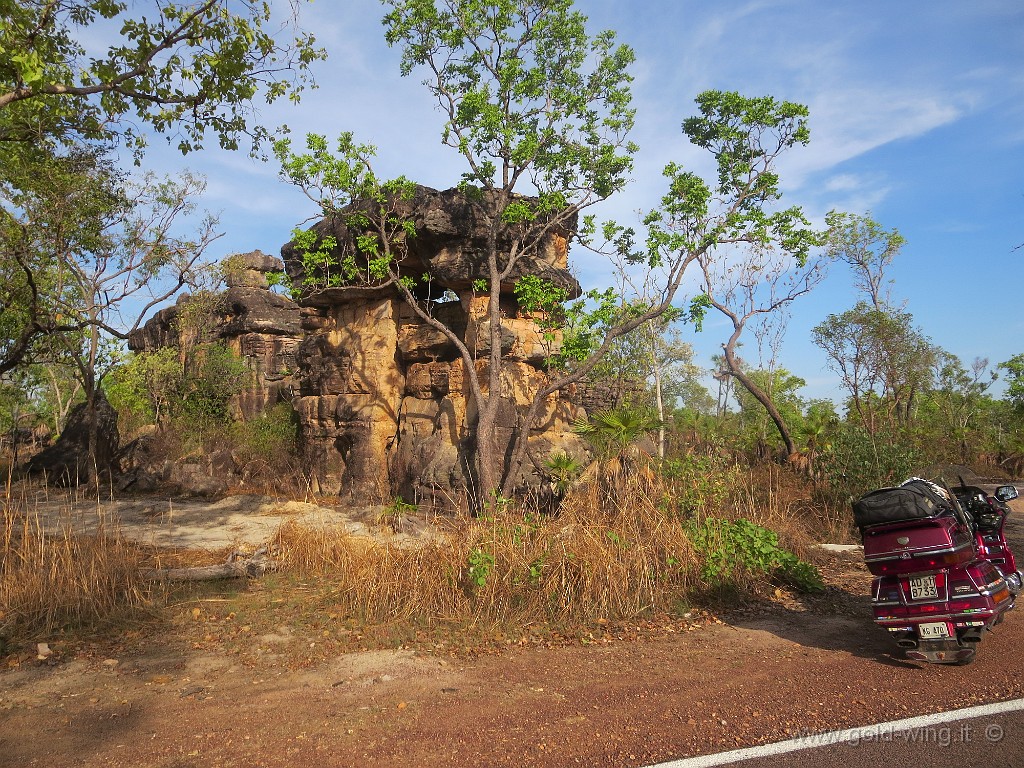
x,y
67,462
245,309
249,270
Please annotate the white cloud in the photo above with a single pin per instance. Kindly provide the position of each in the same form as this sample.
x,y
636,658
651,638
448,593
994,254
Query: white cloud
x,y
848,123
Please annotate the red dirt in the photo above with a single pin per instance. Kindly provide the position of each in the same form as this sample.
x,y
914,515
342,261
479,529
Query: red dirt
x,y
775,670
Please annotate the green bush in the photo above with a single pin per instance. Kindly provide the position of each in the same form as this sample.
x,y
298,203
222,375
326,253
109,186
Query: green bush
x,y
211,378
270,435
159,386
857,462
734,551
698,483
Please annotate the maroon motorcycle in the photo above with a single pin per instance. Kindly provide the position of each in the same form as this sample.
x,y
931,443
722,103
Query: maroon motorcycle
x,y
944,574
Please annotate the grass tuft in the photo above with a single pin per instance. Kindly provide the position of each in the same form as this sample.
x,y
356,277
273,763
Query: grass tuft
x,y
54,581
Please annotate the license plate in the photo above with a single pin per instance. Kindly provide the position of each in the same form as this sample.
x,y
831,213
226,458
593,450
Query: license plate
x,y
933,630
923,588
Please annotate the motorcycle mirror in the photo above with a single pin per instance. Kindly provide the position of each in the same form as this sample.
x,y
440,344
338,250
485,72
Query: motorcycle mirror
x,y
1006,492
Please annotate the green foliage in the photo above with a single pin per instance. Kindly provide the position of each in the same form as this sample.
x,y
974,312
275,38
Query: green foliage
x,y
526,90
699,483
269,436
613,431
564,469
867,248
183,69
882,359
782,388
146,384
745,135
157,384
735,550
479,567
210,380
343,183
1014,368
950,415
857,461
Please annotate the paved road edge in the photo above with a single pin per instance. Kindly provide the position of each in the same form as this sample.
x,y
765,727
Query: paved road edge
x,y
829,738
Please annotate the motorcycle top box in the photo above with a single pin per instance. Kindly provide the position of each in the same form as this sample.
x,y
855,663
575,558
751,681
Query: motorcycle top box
x,y
913,528
918,545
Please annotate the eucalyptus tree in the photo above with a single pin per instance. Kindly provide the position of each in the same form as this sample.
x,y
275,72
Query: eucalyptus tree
x,y
183,69
883,360
123,251
957,400
752,273
754,288
1014,372
868,249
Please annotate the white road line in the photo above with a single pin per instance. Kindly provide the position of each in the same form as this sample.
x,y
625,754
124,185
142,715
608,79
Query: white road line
x,y
864,733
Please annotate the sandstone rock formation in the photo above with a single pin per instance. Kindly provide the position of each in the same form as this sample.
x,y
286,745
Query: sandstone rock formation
x,y
383,398
261,327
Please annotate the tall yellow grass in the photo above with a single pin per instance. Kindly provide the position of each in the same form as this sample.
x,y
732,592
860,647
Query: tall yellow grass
x,y
58,579
612,553
618,548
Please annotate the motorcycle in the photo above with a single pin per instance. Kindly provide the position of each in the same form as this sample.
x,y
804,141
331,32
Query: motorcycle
x,y
943,572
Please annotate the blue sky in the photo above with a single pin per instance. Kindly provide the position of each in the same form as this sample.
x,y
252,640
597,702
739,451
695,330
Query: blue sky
x,y
916,115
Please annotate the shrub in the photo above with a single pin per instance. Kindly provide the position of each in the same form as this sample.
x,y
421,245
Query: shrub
x,y
159,386
857,462
699,483
736,551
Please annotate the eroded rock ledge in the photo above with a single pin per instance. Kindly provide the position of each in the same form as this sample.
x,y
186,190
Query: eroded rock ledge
x,y
381,397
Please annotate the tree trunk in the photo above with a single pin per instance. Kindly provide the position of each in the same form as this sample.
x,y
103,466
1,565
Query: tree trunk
x,y
659,400
761,397
487,453
250,567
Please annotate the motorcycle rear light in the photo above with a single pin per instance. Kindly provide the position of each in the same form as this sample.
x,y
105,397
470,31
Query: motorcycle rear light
x,y
960,606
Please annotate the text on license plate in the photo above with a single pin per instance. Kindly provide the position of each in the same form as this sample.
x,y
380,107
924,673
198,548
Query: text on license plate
x,y
933,630
923,587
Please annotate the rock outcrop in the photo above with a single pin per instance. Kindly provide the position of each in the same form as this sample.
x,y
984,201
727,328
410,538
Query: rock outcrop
x,y
384,401
262,327
67,462
382,396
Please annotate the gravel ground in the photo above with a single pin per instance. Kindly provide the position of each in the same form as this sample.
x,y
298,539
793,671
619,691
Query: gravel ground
x,y
630,695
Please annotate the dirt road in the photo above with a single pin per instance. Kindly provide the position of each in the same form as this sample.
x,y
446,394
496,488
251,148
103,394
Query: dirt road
x,y
776,670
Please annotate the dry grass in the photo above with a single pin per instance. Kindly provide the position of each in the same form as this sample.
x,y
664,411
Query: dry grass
x,y
772,496
54,580
618,549
611,553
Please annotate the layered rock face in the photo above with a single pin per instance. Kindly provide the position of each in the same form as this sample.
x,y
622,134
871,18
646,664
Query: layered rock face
x,y
261,327
384,401
382,396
